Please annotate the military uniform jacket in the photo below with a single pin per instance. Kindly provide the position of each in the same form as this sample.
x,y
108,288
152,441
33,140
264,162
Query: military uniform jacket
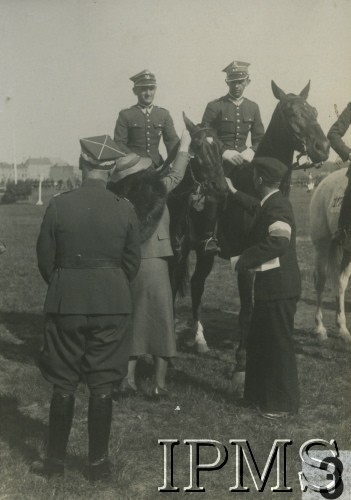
x,y
338,130
273,235
159,244
89,224
140,133
233,123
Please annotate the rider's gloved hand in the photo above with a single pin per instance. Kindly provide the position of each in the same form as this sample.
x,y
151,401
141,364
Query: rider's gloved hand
x,y
248,154
233,157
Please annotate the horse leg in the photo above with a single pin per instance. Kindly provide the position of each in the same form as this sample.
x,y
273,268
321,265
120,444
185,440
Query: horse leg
x,y
340,298
320,275
203,267
245,286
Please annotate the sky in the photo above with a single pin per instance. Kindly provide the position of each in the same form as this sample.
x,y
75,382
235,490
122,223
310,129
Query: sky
x,y
65,64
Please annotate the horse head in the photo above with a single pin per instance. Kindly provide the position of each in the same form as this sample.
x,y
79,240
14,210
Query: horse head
x,y
206,165
301,120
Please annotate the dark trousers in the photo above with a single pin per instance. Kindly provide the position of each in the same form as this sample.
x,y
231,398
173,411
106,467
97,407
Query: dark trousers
x,y
271,372
345,211
94,347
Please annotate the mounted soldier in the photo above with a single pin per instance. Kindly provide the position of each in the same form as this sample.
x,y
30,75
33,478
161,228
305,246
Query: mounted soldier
x,y
233,117
139,128
335,135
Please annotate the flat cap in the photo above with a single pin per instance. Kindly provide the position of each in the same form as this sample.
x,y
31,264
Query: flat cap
x,y
129,164
144,79
270,169
237,70
100,151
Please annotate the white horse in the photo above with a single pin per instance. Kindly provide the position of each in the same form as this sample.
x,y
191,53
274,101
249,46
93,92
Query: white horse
x,y
324,214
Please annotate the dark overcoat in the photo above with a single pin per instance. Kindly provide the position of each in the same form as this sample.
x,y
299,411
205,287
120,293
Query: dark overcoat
x,y
88,251
271,372
337,132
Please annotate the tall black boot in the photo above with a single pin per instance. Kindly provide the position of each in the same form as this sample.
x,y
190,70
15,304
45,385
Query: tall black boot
x,y
342,235
99,426
60,423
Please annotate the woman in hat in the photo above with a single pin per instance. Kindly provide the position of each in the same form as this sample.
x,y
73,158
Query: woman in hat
x,y
153,323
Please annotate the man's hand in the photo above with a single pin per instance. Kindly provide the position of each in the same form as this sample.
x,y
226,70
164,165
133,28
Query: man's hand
x,y
233,157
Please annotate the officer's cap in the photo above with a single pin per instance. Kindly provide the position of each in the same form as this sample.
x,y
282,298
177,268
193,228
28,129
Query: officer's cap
x,y
129,164
144,79
100,152
237,70
270,170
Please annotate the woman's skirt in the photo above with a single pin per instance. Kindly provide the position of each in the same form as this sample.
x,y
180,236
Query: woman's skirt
x,y
153,322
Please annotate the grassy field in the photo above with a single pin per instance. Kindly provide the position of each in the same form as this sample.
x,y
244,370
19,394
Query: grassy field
x,y
201,406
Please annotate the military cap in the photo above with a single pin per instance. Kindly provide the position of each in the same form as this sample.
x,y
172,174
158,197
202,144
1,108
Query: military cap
x,y
129,164
237,70
144,79
101,151
270,170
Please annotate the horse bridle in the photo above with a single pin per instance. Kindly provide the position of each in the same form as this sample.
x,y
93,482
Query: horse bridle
x,y
300,146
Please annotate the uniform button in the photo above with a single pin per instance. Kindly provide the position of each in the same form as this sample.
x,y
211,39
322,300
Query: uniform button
x,y
148,132
148,150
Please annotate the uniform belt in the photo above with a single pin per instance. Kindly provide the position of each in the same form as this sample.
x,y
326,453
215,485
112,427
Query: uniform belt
x,y
79,262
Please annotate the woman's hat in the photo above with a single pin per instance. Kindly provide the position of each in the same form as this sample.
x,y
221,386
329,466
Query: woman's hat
x,y
129,164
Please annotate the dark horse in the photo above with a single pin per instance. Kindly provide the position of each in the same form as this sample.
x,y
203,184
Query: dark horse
x,y
293,127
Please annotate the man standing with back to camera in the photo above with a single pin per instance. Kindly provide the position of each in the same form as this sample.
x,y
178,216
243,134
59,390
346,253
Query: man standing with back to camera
x,y
139,128
88,252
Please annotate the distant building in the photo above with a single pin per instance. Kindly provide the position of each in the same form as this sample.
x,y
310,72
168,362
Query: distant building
x,y
62,172
38,167
7,172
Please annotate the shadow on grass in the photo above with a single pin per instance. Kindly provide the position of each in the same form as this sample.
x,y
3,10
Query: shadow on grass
x,y
184,380
17,428
22,336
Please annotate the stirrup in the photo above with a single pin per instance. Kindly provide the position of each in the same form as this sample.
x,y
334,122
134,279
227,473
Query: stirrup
x,y
210,245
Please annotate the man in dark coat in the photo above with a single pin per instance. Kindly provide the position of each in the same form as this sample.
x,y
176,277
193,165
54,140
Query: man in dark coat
x,y
233,117
139,129
88,252
335,135
271,372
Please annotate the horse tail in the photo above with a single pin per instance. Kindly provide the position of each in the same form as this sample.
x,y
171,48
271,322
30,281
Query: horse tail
x,y
334,262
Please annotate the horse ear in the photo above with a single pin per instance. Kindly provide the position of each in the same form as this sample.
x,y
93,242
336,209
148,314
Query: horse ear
x,y
191,127
305,91
277,92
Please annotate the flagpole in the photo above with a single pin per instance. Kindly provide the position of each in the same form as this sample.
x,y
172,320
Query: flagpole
x,y
8,99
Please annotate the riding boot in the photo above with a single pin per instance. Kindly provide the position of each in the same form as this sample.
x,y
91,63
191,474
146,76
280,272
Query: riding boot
x,y
343,234
99,426
60,423
209,242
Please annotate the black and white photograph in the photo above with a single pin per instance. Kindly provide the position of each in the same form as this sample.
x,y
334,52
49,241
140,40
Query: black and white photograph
x,y
175,249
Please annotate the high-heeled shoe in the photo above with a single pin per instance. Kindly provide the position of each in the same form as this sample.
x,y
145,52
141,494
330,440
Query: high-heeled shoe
x,y
159,392
127,388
